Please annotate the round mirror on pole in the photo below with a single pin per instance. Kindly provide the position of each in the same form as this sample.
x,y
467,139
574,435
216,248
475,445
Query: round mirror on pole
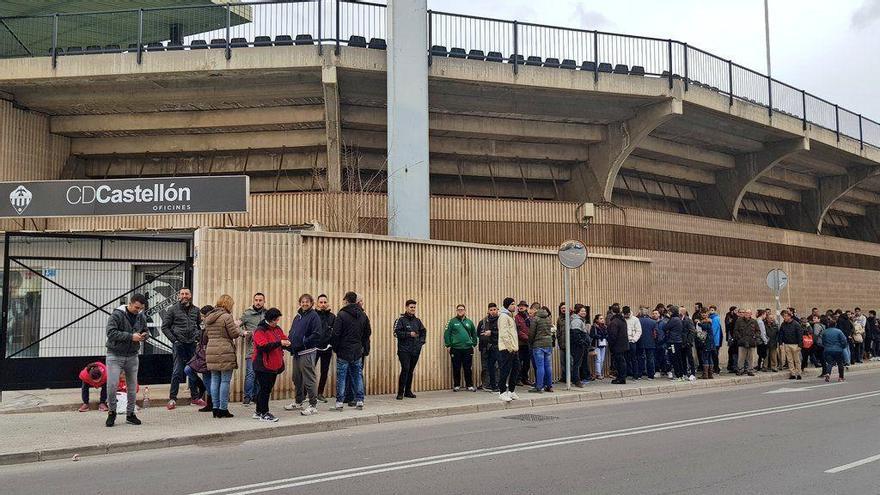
x,y
572,255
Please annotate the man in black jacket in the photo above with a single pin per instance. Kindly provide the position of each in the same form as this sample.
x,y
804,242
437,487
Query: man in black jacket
x,y
180,324
618,342
410,335
487,331
732,348
351,342
325,352
126,329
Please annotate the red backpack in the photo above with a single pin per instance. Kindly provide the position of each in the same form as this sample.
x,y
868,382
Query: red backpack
x,y
808,341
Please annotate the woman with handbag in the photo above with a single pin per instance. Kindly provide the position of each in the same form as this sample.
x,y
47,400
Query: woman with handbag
x,y
268,359
222,330
197,365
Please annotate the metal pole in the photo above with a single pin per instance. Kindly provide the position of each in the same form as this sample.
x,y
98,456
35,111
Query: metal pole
x,y
767,34
686,74
804,106
140,52
4,325
566,277
670,63
228,32
515,47
430,39
770,96
336,50
596,56
320,31
861,136
778,307
730,82
837,121
54,41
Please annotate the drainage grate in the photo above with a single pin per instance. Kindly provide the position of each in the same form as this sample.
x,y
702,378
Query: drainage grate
x,y
531,417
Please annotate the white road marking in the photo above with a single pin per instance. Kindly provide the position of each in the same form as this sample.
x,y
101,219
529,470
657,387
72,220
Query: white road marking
x,y
855,464
505,449
785,390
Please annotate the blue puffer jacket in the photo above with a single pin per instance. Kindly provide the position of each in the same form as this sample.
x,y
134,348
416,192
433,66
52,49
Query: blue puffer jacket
x,y
305,331
834,340
649,328
716,329
674,331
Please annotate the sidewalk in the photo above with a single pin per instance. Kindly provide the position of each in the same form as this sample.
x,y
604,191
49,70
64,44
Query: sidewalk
x,y
58,435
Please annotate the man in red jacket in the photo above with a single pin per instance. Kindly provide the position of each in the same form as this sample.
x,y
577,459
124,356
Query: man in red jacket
x,y
94,375
523,321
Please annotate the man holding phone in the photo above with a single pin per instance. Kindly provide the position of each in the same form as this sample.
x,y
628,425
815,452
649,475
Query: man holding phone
x,y
126,329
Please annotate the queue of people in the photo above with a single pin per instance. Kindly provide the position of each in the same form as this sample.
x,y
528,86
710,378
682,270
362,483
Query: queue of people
x,y
511,340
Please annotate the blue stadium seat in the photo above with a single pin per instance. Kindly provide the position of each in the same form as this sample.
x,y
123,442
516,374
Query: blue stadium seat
x,y
516,59
605,67
637,70
534,61
239,43
263,41
218,43
552,62
304,39
378,44
621,69
283,40
457,53
495,57
476,55
568,64
357,41
438,51
588,66
198,45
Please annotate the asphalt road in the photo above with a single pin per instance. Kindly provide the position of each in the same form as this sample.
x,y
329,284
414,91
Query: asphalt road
x,y
738,440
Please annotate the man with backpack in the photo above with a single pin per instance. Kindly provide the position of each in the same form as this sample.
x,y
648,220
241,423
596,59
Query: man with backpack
x,y
792,338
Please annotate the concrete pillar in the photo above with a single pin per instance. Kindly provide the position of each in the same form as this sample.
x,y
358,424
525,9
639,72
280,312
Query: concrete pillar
x,y
408,171
332,125
815,203
594,181
723,200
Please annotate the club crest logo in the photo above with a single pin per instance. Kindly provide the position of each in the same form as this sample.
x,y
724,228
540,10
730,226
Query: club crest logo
x,y
20,198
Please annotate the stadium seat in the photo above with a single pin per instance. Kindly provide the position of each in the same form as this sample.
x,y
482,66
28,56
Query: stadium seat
x,y
112,49
516,59
218,43
93,49
621,69
239,43
357,41
174,47
378,44
552,62
438,51
74,50
132,47
674,76
495,57
304,39
58,51
534,61
588,66
263,41
568,64
156,46
198,45
476,55
283,40
605,67
457,53
637,70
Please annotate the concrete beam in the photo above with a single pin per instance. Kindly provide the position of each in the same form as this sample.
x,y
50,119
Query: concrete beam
x,y
665,169
847,208
595,180
684,154
146,123
731,185
198,142
783,177
333,127
203,164
861,195
451,186
831,189
653,188
774,192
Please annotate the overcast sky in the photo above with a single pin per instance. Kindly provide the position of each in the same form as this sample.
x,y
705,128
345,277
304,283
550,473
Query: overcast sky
x,y
831,48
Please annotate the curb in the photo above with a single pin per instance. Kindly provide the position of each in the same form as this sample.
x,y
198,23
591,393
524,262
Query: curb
x,y
338,424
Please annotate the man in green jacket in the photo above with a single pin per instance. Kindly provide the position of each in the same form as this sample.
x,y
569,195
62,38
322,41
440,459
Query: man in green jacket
x,y
460,338
747,334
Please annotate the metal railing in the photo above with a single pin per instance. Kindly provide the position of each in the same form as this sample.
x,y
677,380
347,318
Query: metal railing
x,y
340,22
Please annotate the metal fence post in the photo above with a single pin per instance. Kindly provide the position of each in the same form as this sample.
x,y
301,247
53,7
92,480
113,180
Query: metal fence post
x,y
804,106
4,325
515,47
837,121
320,29
54,40
769,96
228,32
669,46
730,83
861,137
686,73
336,50
430,39
595,56
140,52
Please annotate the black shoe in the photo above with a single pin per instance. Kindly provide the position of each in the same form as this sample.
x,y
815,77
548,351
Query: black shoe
x,y
111,419
224,413
791,377
751,373
209,406
399,397
132,419
246,401
352,403
322,399
799,377
216,412
409,395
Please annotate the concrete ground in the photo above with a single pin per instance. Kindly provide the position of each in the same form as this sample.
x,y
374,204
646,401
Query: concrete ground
x,y
782,437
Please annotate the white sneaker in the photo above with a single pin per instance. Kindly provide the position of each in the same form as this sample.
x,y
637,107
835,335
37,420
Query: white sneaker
x,y
513,396
692,378
359,405
472,389
456,389
256,416
293,406
669,375
269,418
309,411
505,396
339,406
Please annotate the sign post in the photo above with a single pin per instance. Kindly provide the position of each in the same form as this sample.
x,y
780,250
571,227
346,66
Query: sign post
x,y
572,255
776,281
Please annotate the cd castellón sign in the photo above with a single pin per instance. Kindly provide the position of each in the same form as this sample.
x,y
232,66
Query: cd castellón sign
x,y
220,194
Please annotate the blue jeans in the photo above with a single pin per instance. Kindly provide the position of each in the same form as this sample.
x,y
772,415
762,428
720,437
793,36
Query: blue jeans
x,y
182,353
846,356
201,386
220,388
543,357
349,370
645,362
250,384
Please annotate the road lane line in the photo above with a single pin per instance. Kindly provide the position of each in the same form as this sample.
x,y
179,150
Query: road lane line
x,y
485,452
855,464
